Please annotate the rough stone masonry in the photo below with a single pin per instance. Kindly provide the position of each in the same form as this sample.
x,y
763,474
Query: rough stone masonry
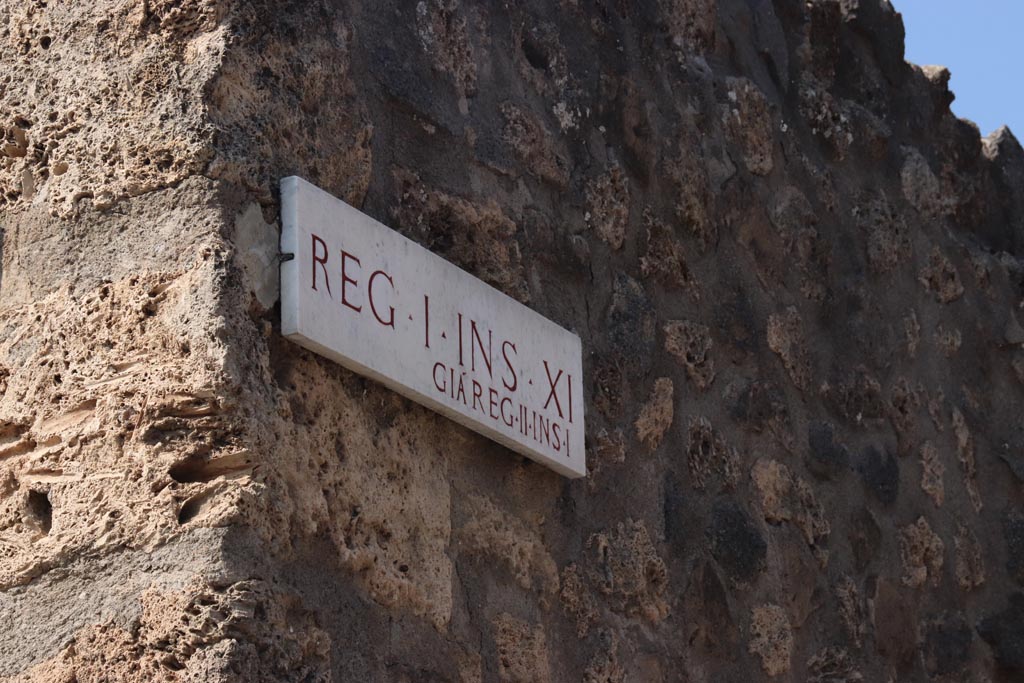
x,y
798,278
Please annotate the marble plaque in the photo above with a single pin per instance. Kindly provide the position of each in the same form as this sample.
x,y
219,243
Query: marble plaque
x,y
361,294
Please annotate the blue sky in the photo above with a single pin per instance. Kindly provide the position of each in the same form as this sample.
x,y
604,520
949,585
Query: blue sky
x,y
981,42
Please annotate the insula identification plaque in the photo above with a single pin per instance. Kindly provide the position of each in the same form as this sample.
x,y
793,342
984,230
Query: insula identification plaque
x,y
361,294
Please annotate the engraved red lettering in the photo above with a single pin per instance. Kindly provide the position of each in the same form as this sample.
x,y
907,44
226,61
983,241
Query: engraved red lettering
x,y
442,385
461,394
553,384
322,262
506,417
569,377
426,321
478,392
345,280
492,395
461,364
390,322
480,343
508,362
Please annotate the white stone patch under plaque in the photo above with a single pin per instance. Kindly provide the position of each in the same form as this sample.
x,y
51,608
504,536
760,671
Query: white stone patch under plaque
x,y
363,295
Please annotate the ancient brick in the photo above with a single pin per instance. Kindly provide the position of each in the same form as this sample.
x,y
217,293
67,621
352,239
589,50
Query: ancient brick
x,y
1004,632
656,416
736,542
825,456
771,638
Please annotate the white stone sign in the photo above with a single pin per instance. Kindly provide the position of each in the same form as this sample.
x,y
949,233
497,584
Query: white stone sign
x,y
363,295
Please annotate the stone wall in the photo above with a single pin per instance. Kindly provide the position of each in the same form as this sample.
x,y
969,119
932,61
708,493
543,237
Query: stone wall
x,y
797,276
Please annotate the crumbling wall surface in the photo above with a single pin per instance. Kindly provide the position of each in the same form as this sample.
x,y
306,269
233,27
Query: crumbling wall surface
x,y
121,459
798,279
